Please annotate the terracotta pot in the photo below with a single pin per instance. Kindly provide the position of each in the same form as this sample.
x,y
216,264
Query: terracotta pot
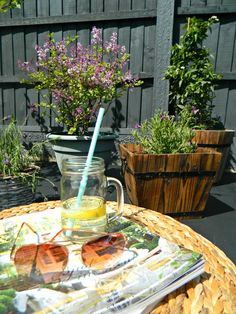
x,y
220,141
173,184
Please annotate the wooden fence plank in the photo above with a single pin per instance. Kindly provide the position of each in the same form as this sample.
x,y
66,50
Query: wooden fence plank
x,y
30,9
83,6
83,34
31,99
43,8
69,7
111,5
16,13
214,2
1,106
212,41
124,36
228,2
198,3
138,4
220,101
149,48
80,18
55,7
134,107
231,112
20,105
8,102
147,98
107,32
18,50
124,5
225,47
6,53
97,6
163,42
213,9
151,4
136,48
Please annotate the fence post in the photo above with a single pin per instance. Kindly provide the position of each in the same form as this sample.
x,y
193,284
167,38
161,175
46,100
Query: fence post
x,y
164,33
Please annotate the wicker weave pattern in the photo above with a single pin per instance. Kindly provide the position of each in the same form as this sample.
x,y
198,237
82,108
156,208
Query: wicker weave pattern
x,y
213,292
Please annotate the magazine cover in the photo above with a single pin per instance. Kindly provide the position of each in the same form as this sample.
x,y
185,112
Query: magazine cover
x,y
144,271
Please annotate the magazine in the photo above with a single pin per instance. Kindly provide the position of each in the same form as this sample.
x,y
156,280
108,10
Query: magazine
x,y
148,268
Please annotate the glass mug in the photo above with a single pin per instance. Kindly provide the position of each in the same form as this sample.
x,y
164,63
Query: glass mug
x,y
90,213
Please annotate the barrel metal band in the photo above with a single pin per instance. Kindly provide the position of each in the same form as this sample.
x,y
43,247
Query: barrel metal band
x,y
152,175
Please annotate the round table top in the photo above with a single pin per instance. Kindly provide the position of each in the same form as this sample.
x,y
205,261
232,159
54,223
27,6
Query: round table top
x,y
212,292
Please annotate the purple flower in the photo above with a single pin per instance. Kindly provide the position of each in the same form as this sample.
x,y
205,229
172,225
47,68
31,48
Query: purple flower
x,y
34,108
162,116
6,162
137,126
194,110
6,118
96,36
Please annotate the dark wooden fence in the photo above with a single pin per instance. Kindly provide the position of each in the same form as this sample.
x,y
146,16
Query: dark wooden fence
x,y
146,27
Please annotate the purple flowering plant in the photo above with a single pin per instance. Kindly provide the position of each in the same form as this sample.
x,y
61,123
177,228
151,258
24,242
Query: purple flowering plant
x,y
165,134
79,79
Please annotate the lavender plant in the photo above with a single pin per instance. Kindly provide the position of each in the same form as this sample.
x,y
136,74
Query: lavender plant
x,y
79,79
14,158
165,134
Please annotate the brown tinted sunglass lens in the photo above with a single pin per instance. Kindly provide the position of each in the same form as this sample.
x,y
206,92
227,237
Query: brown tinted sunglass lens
x,y
101,253
46,261
24,258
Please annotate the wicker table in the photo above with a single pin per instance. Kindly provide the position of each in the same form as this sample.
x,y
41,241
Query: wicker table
x,y
213,292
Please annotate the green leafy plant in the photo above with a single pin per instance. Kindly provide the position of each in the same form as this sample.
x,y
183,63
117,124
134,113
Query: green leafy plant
x,y
79,79
164,134
191,74
6,301
9,4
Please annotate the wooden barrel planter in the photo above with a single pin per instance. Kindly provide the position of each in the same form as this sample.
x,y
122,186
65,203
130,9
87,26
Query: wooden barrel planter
x,y
172,184
219,140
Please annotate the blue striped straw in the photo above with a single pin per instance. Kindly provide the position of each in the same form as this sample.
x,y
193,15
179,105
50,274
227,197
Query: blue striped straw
x,y
84,179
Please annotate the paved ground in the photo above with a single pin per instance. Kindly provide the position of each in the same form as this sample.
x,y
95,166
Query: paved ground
x,y
218,225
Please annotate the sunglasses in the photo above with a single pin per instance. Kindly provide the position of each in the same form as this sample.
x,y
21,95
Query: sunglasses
x,y
46,262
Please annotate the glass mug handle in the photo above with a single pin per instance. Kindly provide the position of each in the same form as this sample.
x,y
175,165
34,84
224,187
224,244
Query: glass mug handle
x,y
120,197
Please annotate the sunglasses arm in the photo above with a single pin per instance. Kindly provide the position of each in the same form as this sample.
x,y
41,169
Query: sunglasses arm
x,y
96,234
17,235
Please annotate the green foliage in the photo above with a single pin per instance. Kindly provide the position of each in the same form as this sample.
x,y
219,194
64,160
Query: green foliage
x,y
15,160
191,73
9,4
164,134
6,303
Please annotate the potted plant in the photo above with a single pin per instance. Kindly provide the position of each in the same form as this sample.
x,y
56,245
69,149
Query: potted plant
x,y
79,80
17,170
164,170
192,81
